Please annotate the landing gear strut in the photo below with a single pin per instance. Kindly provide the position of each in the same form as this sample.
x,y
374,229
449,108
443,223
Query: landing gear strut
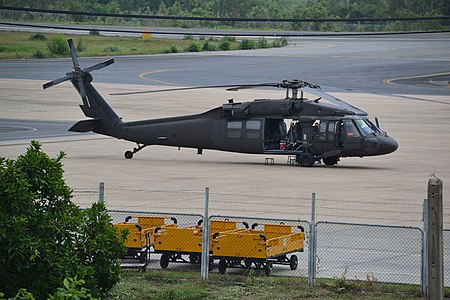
x,y
129,154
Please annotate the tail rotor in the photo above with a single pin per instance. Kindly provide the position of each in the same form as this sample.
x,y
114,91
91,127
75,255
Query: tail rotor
x,y
78,75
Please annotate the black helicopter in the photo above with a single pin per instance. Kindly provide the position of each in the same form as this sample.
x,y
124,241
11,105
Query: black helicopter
x,y
315,132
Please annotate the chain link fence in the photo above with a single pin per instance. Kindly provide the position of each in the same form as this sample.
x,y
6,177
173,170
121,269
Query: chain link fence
x,y
446,238
369,252
354,251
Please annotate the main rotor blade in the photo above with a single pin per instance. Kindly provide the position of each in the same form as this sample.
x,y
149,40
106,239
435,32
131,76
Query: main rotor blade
x,y
100,65
57,81
73,53
334,100
198,88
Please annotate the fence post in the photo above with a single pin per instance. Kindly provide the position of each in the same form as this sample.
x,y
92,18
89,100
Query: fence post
x,y
424,272
312,243
101,192
435,270
205,239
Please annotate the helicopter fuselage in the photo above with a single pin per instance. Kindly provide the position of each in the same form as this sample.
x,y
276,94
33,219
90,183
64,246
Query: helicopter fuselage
x,y
281,128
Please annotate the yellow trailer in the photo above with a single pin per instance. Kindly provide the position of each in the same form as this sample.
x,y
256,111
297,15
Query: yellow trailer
x,y
139,235
175,242
261,248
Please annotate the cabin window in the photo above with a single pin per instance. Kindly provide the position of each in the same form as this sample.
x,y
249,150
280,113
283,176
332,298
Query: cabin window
x,y
253,129
234,129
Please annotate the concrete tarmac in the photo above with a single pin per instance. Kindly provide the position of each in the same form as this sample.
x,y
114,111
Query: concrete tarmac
x,y
378,190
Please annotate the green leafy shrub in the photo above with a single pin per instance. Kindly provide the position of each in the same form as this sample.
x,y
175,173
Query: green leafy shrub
x,y
72,289
229,39
39,54
225,46
207,46
247,44
45,237
38,37
262,43
112,48
194,47
57,45
80,46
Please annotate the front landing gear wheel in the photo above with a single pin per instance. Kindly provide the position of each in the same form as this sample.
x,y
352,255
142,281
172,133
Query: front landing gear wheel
x,y
129,155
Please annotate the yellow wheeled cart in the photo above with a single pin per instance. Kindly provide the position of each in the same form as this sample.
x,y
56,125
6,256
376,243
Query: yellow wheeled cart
x,y
261,248
139,235
174,243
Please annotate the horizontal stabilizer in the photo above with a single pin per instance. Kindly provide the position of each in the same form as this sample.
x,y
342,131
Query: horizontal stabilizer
x,y
85,125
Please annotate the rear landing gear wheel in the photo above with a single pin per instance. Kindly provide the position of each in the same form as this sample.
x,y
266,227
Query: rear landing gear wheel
x,y
329,161
129,155
306,159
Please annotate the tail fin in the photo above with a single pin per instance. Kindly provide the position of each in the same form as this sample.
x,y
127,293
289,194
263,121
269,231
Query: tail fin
x,y
94,106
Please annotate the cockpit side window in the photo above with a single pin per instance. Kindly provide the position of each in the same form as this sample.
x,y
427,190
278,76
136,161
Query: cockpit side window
x,y
350,129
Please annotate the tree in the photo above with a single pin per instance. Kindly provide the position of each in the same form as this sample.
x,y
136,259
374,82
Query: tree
x,y
44,236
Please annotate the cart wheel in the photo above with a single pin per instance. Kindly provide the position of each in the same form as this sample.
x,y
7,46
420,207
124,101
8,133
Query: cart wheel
x,y
268,269
247,263
222,266
211,264
143,256
293,262
194,258
164,262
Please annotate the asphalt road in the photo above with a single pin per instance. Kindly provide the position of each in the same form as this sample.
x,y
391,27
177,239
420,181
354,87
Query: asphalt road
x,y
408,64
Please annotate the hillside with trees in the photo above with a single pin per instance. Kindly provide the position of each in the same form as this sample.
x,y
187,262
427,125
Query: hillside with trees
x,y
281,9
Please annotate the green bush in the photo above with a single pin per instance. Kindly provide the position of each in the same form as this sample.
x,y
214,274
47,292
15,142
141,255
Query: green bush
x,y
173,49
262,43
194,47
38,37
112,48
225,46
207,46
80,46
229,39
247,44
39,54
45,237
58,45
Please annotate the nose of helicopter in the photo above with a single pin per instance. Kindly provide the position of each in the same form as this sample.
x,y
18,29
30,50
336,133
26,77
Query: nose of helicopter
x,y
388,145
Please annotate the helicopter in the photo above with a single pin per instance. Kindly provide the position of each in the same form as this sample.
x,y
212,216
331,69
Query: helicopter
x,y
307,130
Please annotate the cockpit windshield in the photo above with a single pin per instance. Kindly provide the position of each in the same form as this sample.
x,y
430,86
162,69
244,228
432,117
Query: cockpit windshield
x,y
364,127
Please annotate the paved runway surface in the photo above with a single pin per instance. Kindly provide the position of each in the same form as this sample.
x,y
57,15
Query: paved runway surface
x,y
416,115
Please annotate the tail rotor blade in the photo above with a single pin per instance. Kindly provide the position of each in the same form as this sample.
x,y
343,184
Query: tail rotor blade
x,y
57,81
99,65
73,53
